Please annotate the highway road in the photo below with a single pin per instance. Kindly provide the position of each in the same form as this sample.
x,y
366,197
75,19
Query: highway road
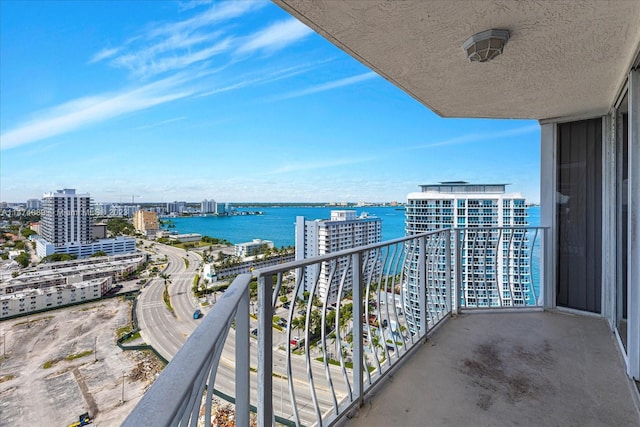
x,y
167,332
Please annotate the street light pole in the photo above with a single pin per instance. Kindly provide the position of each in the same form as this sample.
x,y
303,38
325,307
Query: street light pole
x,y
95,348
123,387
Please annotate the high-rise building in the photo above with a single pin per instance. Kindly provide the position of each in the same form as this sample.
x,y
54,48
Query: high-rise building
x,y
495,260
176,208
66,217
67,227
343,231
34,204
146,222
208,206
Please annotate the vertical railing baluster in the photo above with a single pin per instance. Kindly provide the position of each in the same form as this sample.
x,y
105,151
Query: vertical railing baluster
x,y
457,272
242,362
265,349
358,313
422,285
447,268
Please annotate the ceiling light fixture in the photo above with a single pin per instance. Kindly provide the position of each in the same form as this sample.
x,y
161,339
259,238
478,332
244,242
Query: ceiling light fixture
x,y
486,45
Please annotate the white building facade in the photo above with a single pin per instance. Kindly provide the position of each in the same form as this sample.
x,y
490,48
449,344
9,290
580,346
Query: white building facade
x,y
255,247
495,260
66,218
33,300
67,227
344,230
208,206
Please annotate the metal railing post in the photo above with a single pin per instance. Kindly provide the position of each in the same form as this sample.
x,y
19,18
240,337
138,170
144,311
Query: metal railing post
x,y
358,313
265,351
457,281
422,284
546,298
242,362
447,262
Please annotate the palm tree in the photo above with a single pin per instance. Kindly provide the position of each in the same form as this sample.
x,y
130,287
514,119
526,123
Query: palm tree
x,y
166,279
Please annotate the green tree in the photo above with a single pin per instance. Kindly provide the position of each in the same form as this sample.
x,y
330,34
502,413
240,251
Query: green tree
x,y
120,226
26,232
99,253
23,259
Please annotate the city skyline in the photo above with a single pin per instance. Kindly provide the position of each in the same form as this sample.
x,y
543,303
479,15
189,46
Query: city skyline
x,y
235,101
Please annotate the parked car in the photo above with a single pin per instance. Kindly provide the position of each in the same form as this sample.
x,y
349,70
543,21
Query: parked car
x,y
254,332
294,341
197,314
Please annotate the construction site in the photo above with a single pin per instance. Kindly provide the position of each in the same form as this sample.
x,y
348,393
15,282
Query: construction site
x,y
62,364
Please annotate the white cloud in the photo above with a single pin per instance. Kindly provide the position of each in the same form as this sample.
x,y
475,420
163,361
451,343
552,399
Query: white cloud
x,y
474,137
163,122
176,45
264,78
145,63
192,4
330,85
84,111
104,54
275,37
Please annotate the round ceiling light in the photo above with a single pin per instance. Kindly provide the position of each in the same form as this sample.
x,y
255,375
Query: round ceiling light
x,y
486,45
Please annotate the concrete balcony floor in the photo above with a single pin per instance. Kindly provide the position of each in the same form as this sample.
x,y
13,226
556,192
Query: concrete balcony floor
x,y
508,369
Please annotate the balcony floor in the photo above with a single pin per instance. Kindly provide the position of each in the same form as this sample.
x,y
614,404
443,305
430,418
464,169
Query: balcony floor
x,y
508,369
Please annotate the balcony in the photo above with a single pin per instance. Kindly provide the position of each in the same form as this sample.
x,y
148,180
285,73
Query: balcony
x,y
393,335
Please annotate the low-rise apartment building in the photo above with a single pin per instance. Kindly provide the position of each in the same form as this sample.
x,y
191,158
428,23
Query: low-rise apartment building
x,y
33,300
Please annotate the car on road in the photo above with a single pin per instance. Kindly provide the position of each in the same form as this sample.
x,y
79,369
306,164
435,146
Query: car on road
x,y
282,322
254,332
286,305
294,341
197,314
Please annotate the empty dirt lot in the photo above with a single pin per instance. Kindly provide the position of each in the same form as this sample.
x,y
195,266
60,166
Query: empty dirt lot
x,y
50,373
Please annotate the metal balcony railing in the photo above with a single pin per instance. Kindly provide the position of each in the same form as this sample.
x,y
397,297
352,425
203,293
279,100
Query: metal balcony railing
x,y
348,320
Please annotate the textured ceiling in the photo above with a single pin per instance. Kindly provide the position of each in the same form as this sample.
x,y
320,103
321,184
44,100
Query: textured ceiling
x,y
564,58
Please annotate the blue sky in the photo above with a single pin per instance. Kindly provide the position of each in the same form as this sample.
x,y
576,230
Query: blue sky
x,y
235,101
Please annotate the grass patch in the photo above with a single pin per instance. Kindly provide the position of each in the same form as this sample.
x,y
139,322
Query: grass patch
x,y
78,355
186,263
337,363
167,299
205,303
133,337
49,363
6,378
123,330
28,322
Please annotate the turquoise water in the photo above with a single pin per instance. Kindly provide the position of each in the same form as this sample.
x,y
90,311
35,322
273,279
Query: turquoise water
x,y
278,224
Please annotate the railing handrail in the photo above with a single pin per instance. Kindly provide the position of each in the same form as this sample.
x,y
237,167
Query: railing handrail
x,y
177,393
161,404
274,269
339,254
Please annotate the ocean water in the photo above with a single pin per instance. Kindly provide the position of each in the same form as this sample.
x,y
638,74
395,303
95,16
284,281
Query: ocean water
x,y
278,223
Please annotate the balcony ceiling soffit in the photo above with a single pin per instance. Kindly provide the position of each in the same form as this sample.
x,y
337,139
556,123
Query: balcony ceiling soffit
x,y
564,58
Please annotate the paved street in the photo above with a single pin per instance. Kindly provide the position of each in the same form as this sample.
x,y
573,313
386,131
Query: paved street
x,y
167,332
